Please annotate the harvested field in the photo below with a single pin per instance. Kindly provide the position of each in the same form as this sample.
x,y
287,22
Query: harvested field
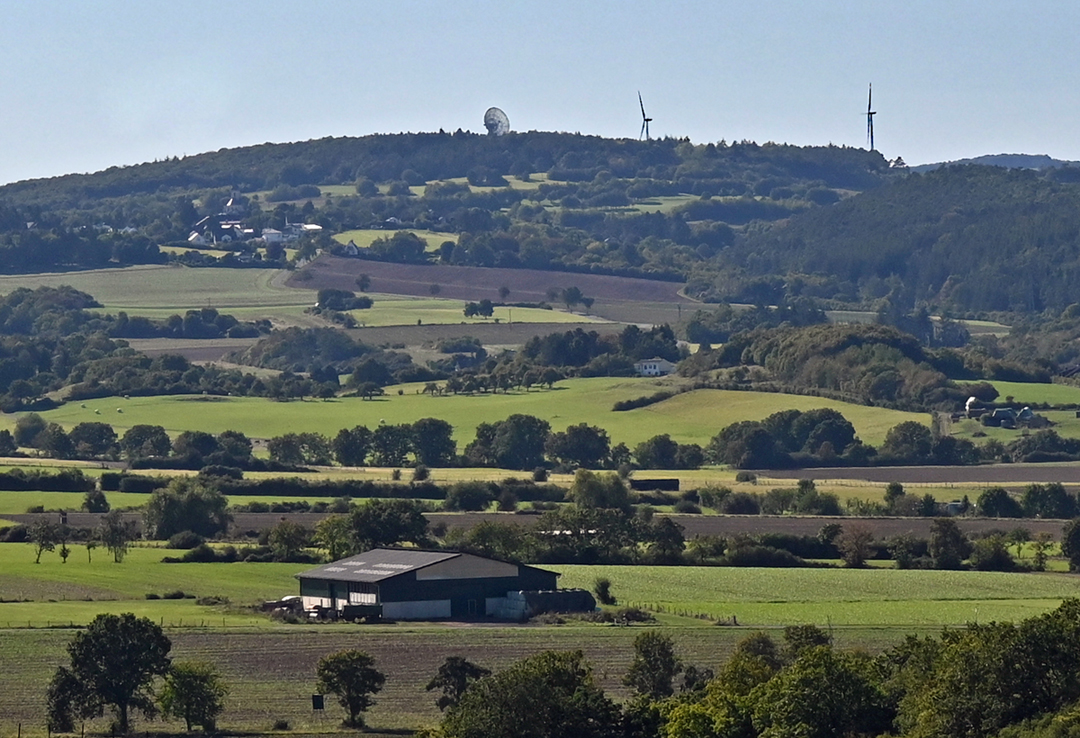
x,y
209,349
996,474
271,674
475,283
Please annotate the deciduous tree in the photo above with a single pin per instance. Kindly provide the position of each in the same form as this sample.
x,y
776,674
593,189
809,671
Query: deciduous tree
x,y
352,676
195,693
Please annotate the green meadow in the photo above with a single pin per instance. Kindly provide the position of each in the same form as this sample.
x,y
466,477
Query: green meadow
x,y
160,291
401,310
89,581
690,417
364,237
75,591
845,597
1028,392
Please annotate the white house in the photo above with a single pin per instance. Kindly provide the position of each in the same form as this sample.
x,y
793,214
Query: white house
x,y
272,235
654,367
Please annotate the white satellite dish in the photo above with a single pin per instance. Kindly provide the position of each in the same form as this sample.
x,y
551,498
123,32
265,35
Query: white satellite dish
x,y
496,122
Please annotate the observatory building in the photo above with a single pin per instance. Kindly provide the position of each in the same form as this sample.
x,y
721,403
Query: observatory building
x,y
411,584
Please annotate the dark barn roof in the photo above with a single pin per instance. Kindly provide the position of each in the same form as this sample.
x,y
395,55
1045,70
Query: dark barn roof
x,y
380,564
376,565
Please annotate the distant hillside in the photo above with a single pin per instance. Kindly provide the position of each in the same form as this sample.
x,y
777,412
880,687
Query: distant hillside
x,y
964,237
1008,161
420,157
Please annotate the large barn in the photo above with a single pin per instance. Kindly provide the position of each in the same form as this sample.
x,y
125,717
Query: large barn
x,y
410,584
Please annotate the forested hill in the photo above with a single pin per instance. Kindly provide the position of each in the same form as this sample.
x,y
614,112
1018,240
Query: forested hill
x,y
966,237
420,157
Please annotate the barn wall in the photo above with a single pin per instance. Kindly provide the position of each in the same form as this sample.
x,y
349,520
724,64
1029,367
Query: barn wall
x,y
417,610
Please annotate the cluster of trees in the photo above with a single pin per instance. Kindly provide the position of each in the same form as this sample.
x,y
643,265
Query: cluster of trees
x,y
519,442
824,437
953,237
871,364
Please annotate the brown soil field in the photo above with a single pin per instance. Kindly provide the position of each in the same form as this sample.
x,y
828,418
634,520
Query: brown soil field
x,y
271,674
211,349
1003,474
476,283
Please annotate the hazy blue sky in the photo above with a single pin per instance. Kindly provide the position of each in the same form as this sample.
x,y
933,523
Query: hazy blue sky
x,y
90,84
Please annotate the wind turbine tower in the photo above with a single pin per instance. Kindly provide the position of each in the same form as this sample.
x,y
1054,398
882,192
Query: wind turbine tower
x,y
645,120
870,113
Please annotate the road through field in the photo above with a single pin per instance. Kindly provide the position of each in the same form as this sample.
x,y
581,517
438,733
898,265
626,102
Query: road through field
x,y
994,474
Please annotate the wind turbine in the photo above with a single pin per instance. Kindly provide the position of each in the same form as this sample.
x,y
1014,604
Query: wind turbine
x,y
644,119
870,113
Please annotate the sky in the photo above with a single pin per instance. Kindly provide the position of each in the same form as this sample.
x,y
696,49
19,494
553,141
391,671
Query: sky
x,y
89,84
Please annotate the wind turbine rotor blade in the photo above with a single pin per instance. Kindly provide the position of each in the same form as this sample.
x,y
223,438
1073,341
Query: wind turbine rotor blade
x,y
642,104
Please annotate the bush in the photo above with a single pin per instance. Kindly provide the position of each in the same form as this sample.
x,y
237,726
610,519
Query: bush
x,y
152,596
177,594
761,556
686,507
420,473
185,540
539,474
469,496
713,497
602,590
745,476
740,503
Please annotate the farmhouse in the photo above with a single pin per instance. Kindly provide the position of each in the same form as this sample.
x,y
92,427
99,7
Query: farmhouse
x,y
410,584
654,367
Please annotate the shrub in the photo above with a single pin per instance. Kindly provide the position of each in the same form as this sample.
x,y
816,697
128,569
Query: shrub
x,y
153,596
687,507
602,589
539,474
713,497
177,594
745,476
420,473
185,540
740,503
761,556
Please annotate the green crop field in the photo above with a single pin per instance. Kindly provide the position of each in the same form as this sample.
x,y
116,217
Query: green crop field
x,y
12,503
401,310
690,417
848,597
364,237
159,291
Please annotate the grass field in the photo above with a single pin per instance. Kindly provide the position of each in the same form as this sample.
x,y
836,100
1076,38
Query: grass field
x,y
400,310
691,417
109,584
1053,394
866,597
364,237
159,291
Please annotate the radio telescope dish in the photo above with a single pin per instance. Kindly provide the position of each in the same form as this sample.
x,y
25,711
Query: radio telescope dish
x,y
496,122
